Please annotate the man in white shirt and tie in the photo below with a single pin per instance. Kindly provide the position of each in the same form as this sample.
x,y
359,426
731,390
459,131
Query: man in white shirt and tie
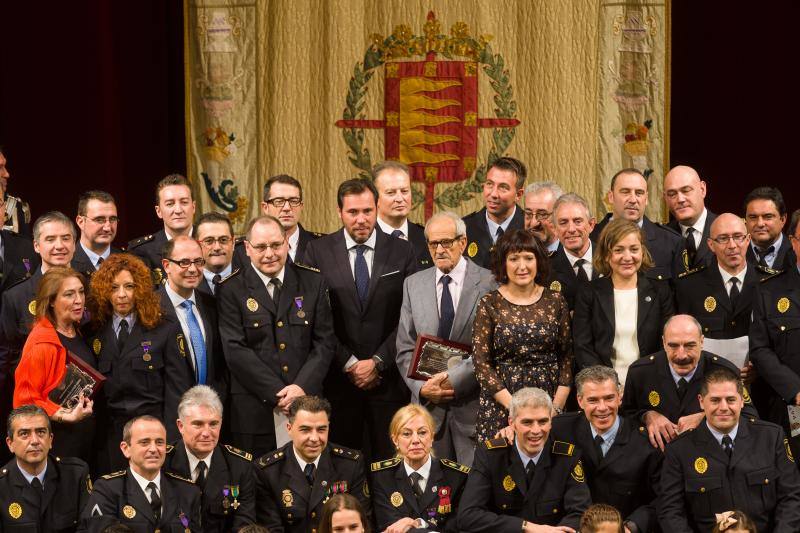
x,y
97,219
571,263
215,235
685,193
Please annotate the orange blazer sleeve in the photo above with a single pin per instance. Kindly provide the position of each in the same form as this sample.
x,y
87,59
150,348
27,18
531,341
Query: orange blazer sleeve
x,y
40,370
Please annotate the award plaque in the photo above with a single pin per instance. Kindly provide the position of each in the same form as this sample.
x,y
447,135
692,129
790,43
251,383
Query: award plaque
x,y
433,355
79,379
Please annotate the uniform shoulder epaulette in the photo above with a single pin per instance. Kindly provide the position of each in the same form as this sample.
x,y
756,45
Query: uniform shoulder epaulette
x,y
455,466
770,272
642,361
348,453
3,472
17,282
179,477
491,444
234,272
667,228
71,461
563,448
239,453
383,465
140,241
306,267
270,458
170,448
691,271
114,475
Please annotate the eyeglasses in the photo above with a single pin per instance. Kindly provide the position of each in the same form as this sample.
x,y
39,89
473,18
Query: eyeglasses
x,y
209,241
541,216
102,221
294,201
738,238
261,248
445,243
186,263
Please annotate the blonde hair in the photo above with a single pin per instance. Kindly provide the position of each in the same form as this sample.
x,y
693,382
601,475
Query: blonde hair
x,y
404,415
615,231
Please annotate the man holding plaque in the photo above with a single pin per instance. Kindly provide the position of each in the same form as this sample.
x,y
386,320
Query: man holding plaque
x,y
441,302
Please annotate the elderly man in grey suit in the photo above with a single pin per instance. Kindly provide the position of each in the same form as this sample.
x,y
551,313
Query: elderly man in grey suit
x,y
442,301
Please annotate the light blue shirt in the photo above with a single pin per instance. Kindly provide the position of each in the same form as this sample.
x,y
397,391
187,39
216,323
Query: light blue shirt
x,y
494,225
553,246
717,435
676,377
116,320
770,257
93,257
608,437
525,458
29,477
210,276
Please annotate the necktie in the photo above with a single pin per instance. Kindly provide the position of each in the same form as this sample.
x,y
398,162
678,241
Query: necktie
x,y
598,446
362,274
215,283
276,290
201,475
734,294
38,489
727,445
691,247
498,233
198,343
308,471
581,274
399,234
530,470
123,334
155,501
99,263
414,479
683,386
446,311
762,255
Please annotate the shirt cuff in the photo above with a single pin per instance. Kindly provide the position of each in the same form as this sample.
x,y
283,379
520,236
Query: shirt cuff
x,y
350,362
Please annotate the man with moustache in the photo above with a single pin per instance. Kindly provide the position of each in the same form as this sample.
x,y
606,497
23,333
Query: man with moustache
x,y
39,491
277,335
534,482
175,207
765,216
540,197
571,264
729,462
502,189
215,235
628,199
685,193
442,301
97,219
392,179
365,270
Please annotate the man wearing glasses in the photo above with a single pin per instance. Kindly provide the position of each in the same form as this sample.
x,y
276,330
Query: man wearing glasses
x,y
442,301
97,219
540,197
215,235
277,335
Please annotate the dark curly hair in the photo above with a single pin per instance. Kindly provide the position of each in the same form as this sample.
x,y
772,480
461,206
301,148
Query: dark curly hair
x,y
514,241
146,301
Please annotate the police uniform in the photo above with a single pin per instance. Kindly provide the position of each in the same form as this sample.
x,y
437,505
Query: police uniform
x,y
563,278
703,255
148,249
16,317
66,490
498,499
393,497
651,387
268,347
760,479
229,494
18,217
627,476
19,259
119,499
82,263
479,243
240,258
286,502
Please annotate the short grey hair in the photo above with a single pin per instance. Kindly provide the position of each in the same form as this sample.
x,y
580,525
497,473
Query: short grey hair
x,y
596,374
680,317
390,165
52,216
197,396
538,186
25,411
572,198
461,228
529,397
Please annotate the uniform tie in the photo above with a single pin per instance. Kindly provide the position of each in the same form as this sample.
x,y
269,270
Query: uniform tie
x,y
691,247
201,475
727,445
498,233
99,262
581,273
734,294
38,490
530,471
446,311
276,290
414,478
362,274
399,234
683,386
308,471
215,281
598,446
155,501
762,255
122,336
198,343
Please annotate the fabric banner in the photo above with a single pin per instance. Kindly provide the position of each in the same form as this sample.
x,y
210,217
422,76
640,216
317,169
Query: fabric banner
x,y
323,90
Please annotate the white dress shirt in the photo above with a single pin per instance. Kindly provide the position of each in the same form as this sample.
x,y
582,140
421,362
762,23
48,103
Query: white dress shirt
x,y
717,435
726,278
587,266
93,257
369,253
209,275
28,477
116,320
525,458
456,283
293,240
302,462
194,461
142,482
176,300
387,229
265,279
424,471
698,226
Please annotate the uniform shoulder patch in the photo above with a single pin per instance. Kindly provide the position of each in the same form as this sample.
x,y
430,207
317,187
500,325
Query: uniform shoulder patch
x,y
383,465
21,280
692,271
270,458
768,272
114,475
140,241
455,466
341,451
306,267
239,453
234,272
179,477
563,448
170,448
491,444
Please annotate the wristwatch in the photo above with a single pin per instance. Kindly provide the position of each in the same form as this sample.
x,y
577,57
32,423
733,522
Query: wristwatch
x,y
379,364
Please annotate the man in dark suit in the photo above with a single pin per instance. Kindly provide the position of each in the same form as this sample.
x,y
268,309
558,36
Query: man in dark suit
x,y
196,313
215,235
628,199
224,474
18,259
621,466
97,219
39,492
175,207
143,497
729,462
661,389
17,215
571,263
540,199
283,199
365,270
277,335
502,190
392,179
294,482
685,193
765,216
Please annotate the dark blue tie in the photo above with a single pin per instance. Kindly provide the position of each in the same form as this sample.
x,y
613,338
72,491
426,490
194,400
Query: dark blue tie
x,y
399,234
362,274
446,311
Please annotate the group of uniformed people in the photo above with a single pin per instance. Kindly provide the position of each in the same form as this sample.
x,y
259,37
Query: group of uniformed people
x,y
304,340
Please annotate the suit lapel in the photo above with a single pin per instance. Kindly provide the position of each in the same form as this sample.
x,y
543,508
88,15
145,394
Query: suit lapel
x,y
466,301
218,474
134,339
166,305
256,289
403,484
342,268
290,288
717,288
605,294
647,299
180,461
50,485
380,258
517,469
435,480
137,498
667,387
617,449
585,435
293,477
169,502
742,446
708,443
542,469
745,300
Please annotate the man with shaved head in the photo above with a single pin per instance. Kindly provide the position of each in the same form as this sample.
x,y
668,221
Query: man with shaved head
x,y
685,193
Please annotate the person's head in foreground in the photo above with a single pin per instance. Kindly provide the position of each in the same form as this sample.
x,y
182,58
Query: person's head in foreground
x,y
343,514
734,522
601,518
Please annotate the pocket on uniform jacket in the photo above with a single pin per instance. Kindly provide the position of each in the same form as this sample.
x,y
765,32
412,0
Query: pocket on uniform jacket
x,y
698,491
762,483
548,508
781,328
711,323
148,362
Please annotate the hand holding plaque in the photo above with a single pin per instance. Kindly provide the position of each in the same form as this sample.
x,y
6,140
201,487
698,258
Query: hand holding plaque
x,y
433,355
80,381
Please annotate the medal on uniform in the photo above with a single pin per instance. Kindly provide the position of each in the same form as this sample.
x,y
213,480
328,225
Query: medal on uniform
x,y
472,250
444,500
235,494
184,522
32,307
97,346
252,305
701,465
397,499
508,483
287,498
15,510
710,304
226,502
654,398
27,263
129,512
783,305
146,347
298,302
555,286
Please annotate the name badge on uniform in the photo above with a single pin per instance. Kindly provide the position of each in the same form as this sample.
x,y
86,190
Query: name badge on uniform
x,y
298,302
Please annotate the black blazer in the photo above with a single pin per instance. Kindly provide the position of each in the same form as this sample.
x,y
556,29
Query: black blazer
x,y
562,277
784,260
704,255
593,323
19,259
479,242
82,263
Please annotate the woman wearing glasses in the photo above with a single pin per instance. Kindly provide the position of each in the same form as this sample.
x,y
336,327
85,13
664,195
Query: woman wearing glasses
x,y
141,355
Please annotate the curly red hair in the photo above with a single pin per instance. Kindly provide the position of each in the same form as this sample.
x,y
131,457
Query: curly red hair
x,y
146,301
